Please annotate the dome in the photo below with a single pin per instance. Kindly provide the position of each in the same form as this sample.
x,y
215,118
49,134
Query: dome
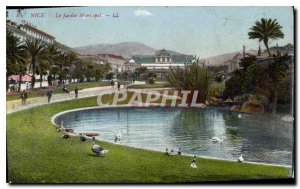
x,y
131,61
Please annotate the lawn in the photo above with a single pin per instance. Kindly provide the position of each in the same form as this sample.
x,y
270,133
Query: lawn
x,y
38,154
58,89
146,86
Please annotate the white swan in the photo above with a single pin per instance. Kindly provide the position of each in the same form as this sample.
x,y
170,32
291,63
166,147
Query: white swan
x,y
241,159
171,152
240,116
193,163
119,135
217,139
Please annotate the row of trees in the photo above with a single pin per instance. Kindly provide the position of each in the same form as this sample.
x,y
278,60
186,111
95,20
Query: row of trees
x,y
39,58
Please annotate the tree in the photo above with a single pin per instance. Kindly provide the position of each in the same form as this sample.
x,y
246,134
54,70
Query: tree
x,y
265,30
193,77
15,58
140,71
53,55
35,48
278,73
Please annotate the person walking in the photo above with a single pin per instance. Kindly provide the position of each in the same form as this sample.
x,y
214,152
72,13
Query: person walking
x,y
24,97
119,85
112,83
49,94
76,92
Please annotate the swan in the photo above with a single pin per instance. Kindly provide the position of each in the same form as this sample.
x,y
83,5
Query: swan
x,y
240,116
61,127
171,153
119,135
241,159
97,149
216,139
193,163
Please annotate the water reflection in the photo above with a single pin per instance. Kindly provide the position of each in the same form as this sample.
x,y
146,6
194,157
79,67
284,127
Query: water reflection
x,y
260,138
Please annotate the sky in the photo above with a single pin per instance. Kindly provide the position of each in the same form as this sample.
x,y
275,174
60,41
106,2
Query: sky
x,y
201,31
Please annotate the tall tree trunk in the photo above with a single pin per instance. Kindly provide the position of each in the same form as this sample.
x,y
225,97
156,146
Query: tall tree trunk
x,y
274,109
20,81
33,72
267,46
7,83
41,80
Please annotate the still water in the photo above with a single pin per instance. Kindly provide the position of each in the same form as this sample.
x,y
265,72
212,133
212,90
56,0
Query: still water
x,y
259,137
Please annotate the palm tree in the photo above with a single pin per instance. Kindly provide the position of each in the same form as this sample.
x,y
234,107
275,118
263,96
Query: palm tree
x,y
265,30
53,55
15,57
35,48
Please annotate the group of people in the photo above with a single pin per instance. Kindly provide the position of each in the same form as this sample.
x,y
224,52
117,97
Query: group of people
x,y
24,94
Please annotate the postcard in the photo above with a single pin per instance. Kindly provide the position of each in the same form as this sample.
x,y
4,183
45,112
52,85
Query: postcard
x,y
150,95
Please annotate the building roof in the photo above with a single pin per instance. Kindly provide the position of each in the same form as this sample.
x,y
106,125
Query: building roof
x,y
182,58
142,59
131,61
104,55
163,52
112,56
37,30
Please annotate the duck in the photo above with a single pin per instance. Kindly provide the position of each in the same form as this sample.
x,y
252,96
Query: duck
x,y
167,152
241,159
171,152
119,135
97,149
240,116
193,163
179,151
82,138
66,136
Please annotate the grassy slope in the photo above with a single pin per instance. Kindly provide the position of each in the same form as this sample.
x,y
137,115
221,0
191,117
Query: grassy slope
x,y
39,93
38,154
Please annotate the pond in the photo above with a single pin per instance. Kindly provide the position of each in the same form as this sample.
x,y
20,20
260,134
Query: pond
x,y
259,137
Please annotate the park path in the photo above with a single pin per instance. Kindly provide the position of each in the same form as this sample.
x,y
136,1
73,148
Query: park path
x,y
16,105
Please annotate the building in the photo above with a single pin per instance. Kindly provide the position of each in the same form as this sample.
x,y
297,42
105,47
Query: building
x,y
161,62
26,31
116,61
29,31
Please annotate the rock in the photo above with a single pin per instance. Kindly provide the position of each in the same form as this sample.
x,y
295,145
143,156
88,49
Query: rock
x,y
236,108
249,107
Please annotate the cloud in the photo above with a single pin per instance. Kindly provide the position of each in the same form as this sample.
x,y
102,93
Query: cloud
x,y
140,12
